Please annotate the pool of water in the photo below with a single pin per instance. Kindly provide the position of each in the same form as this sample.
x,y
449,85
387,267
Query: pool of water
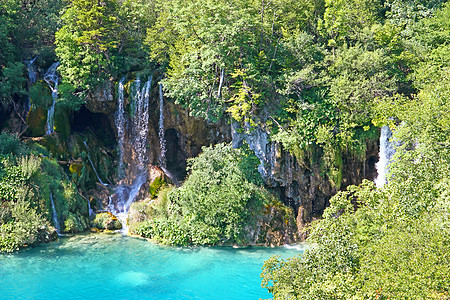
x,y
100,266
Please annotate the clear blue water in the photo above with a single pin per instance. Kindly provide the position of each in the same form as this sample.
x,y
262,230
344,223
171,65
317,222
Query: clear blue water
x,y
98,266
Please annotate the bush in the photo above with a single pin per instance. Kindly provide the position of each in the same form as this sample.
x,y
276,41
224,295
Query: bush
x,y
106,221
211,207
27,183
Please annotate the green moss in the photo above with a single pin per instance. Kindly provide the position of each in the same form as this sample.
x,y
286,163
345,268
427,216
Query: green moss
x,y
155,186
56,146
40,95
62,122
36,120
76,168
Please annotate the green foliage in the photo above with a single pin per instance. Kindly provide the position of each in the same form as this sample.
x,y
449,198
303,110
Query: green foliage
x,y
26,182
85,41
223,55
393,242
344,20
155,186
215,204
100,40
106,221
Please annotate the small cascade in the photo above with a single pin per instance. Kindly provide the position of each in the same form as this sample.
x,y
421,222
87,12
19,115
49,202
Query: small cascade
x,y
162,140
140,119
32,74
51,77
120,125
387,151
127,195
32,77
91,211
55,215
93,167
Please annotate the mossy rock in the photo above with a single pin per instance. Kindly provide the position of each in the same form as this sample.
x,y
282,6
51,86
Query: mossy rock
x,y
106,221
55,146
155,186
36,120
76,168
40,95
62,123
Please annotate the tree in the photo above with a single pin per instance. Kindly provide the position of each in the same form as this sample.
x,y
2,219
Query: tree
x,y
86,43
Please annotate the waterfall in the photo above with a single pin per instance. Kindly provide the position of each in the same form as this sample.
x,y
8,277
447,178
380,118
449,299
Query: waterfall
x,y
92,164
140,119
32,77
126,194
120,125
51,77
55,215
219,91
91,211
386,153
162,140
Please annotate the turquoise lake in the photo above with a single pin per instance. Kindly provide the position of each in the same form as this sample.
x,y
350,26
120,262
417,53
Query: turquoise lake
x,y
100,266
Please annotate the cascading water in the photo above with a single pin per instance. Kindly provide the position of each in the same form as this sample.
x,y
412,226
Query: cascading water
x,y
92,164
120,125
91,211
55,215
387,151
126,194
140,119
32,77
162,140
51,77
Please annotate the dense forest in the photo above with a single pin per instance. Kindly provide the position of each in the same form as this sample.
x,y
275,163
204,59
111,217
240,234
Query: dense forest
x,y
313,80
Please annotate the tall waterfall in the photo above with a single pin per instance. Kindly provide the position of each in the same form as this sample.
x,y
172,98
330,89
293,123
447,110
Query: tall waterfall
x,y
32,77
120,125
55,215
162,140
92,164
51,77
387,151
140,119
126,194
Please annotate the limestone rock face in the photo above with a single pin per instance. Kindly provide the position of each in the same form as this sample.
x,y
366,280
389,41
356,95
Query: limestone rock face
x,y
302,186
274,226
102,99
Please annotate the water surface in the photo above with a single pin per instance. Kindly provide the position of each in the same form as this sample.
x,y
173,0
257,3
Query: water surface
x,y
99,266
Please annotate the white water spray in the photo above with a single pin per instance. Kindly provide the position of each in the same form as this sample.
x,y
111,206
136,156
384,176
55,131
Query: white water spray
x,y
51,77
120,125
162,140
32,74
126,194
387,151
32,77
140,119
